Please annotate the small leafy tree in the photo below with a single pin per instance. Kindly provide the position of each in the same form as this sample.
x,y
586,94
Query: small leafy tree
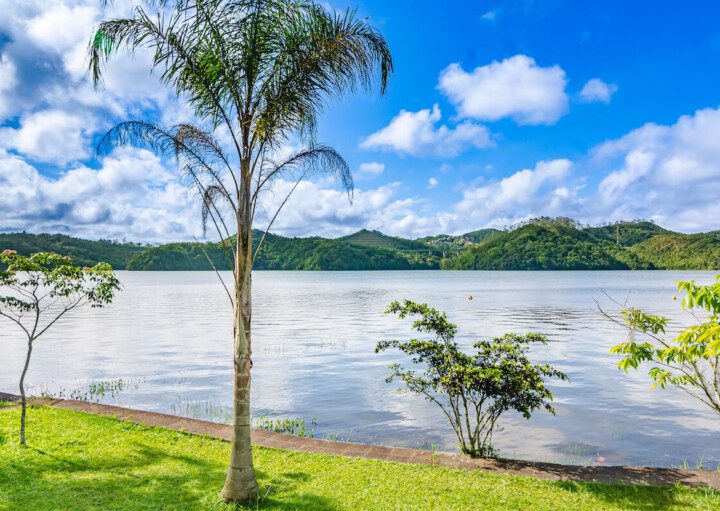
x,y
472,390
689,361
37,290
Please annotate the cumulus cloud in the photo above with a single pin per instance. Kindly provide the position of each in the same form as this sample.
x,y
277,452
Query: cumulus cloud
x,y
51,136
63,30
667,173
315,208
417,134
50,114
529,192
515,87
372,168
131,195
8,81
597,91
44,64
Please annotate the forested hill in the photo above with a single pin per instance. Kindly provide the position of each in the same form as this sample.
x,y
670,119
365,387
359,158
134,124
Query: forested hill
x,y
83,252
368,251
560,244
540,244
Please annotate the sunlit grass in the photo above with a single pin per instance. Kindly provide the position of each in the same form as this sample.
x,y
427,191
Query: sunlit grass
x,y
77,461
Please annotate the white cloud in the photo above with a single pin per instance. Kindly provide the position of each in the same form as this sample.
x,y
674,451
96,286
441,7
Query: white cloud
x,y
670,174
667,173
372,168
8,81
62,27
597,91
537,191
47,46
130,196
490,15
417,133
51,136
316,208
515,87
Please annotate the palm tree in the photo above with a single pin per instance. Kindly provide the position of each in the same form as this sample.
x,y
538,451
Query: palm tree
x,y
260,71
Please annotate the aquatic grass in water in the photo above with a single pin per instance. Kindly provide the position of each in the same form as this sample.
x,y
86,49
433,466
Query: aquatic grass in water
x,y
95,391
295,427
202,409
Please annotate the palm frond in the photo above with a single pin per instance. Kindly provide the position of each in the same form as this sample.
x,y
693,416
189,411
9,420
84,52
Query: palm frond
x,y
264,70
313,161
197,154
186,58
316,55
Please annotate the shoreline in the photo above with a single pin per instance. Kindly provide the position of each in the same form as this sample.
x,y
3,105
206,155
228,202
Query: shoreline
x,y
640,475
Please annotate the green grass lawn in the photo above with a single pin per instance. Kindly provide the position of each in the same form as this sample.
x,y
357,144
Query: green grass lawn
x,y
79,461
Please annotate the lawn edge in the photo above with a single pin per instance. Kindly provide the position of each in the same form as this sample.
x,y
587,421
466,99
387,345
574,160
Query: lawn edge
x,y
653,476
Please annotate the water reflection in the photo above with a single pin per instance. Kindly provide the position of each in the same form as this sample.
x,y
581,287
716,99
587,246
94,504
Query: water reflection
x,y
314,335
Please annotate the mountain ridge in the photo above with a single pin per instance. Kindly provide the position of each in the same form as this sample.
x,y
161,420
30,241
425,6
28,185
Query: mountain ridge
x,y
539,244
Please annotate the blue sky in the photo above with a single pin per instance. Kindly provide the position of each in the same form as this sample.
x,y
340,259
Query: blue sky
x,y
497,112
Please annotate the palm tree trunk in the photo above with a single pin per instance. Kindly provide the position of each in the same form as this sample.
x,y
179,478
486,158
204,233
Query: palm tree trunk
x,y
23,400
240,482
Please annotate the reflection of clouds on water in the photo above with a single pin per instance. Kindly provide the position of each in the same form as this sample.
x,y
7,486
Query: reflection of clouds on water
x,y
314,335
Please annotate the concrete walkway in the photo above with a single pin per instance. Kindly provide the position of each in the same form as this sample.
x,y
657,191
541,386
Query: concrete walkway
x,y
552,471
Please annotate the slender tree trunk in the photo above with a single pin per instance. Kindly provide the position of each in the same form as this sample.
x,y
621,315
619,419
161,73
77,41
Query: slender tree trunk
x,y
23,400
240,483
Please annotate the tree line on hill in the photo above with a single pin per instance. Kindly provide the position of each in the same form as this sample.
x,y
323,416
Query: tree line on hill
x,y
539,244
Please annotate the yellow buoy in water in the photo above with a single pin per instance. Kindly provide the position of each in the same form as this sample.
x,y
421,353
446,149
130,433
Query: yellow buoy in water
x,y
470,297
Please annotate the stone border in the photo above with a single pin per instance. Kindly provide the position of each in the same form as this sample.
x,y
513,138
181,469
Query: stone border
x,y
551,471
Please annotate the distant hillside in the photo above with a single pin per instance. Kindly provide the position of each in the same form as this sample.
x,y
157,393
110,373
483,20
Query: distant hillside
x,y
627,234
539,244
377,239
347,253
545,246
179,256
282,253
83,252
451,243
681,251
479,235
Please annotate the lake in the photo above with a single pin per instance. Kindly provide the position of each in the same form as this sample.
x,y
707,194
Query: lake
x,y
168,336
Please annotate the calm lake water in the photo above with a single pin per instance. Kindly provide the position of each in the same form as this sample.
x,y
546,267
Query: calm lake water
x,y
169,336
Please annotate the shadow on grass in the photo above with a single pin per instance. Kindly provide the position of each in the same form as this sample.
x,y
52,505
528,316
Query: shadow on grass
x,y
633,497
140,477
104,464
128,483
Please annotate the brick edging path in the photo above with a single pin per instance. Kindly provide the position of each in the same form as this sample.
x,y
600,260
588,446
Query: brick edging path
x,y
540,470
